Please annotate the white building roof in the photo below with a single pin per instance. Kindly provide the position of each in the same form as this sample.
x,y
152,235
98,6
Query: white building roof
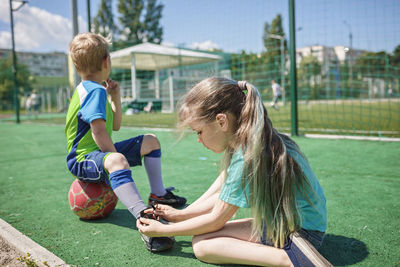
x,y
148,56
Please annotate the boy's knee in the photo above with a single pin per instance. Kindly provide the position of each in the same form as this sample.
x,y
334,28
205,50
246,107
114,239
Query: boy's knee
x,y
151,140
115,162
149,143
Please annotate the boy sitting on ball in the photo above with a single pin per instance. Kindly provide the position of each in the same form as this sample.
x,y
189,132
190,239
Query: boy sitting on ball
x,y
94,112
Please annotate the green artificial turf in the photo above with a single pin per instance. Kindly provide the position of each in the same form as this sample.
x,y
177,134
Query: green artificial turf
x,y
360,178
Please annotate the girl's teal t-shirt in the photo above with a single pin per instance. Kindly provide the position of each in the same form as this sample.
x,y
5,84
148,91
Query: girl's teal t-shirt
x,y
313,217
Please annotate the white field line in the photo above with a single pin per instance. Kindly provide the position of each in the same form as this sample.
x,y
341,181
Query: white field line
x,y
342,130
366,138
341,101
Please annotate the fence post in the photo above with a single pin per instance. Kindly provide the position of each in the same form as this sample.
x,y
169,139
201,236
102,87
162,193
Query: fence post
x,y
293,75
171,93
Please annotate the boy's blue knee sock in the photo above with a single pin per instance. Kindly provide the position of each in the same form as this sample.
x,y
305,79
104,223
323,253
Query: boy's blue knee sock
x,y
126,191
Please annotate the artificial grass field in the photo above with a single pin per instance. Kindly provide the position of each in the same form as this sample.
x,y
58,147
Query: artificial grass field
x,y
361,180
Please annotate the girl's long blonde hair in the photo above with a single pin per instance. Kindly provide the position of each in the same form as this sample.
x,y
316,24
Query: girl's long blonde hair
x,y
271,173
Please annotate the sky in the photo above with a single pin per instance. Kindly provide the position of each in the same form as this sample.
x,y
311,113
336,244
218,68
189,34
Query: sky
x,y
230,25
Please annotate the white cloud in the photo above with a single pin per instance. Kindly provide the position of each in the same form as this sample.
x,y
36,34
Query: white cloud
x,y
4,11
5,40
206,45
36,29
167,43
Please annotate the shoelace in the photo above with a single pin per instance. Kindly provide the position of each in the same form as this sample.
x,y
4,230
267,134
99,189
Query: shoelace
x,y
152,215
154,205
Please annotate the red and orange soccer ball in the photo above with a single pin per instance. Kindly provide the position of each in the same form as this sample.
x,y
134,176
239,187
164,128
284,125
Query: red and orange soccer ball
x,y
91,200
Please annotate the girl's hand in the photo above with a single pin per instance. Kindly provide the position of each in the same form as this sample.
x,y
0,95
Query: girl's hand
x,y
149,227
112,88
168,213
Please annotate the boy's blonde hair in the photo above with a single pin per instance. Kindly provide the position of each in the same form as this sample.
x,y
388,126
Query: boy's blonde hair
x,y
88,51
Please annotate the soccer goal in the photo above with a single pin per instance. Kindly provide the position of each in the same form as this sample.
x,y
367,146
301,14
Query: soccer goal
x,y
173,88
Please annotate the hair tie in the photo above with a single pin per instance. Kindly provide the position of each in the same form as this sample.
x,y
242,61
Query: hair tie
x,y
242,85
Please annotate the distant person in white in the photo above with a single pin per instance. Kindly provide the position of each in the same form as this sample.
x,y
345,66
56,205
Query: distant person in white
x,y
28,106
36,102
276,90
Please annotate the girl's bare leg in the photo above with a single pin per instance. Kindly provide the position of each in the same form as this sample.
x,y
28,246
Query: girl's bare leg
x,y
233,244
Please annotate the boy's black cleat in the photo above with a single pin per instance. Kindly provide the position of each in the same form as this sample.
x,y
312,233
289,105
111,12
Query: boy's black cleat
x,y
168,199
156,244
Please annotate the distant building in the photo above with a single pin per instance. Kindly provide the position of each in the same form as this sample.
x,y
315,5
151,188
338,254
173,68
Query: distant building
x,y
54,64
328,56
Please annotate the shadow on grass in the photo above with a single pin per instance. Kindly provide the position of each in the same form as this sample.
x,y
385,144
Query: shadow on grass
x,y
177,250
341,250
120,217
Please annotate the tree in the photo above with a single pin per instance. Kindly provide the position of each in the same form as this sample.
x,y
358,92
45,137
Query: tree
x,y
266,37
152,29
272,46
372,64
309,69
274,28
103,22
395,58
249,67
373,68
137,27
7,81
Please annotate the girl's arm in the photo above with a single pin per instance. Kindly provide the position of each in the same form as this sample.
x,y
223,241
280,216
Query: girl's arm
x,y
206,202
201,206
202,224
214,188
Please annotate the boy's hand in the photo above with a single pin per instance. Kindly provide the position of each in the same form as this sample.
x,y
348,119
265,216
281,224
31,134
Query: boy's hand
x,y
112,88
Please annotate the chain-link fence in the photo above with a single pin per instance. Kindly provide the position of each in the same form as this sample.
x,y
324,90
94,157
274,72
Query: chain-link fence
x,y
347,61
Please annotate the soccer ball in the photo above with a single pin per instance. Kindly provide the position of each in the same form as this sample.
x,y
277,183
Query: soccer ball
x,y
91,200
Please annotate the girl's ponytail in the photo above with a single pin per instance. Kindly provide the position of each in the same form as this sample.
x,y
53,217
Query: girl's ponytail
x,y
251,119
270,171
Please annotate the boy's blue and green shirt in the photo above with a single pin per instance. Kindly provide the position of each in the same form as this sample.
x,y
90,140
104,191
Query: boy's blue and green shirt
x,y
89,102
